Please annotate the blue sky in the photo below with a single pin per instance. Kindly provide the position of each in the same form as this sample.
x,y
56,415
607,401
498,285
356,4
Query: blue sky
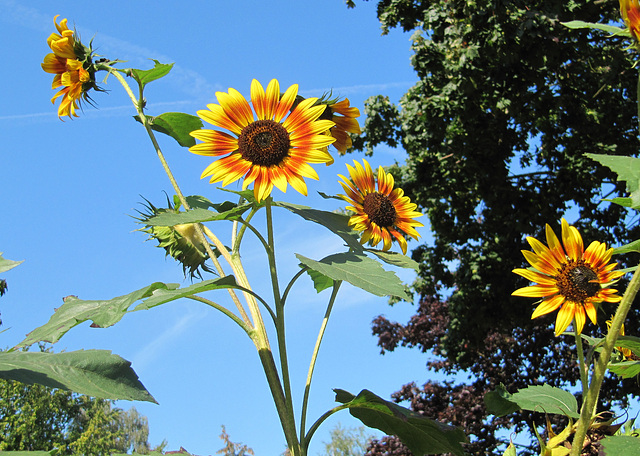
x,y
69,190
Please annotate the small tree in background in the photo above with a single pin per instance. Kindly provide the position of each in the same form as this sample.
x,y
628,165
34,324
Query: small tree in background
x,y
347,441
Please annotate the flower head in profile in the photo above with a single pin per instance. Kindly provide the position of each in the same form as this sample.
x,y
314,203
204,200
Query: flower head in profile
x,y
625,352
273,148
345,118
571,279
71,64
382,213
630,11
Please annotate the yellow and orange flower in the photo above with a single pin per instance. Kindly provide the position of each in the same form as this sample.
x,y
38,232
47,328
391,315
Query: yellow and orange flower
x,y
67,62
345,123
570,278
273,150
381,214
625,352
630,11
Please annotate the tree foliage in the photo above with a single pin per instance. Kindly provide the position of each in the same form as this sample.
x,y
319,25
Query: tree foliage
x,y
507,103
35,417
347,441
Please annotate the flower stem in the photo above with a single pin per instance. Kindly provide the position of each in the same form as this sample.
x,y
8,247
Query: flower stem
x,y
584,377
600,369
312,364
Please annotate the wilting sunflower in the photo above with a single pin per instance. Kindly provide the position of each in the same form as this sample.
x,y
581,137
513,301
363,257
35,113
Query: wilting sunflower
x,y
273,150
344,116
70,61
569,278
380,213
630,11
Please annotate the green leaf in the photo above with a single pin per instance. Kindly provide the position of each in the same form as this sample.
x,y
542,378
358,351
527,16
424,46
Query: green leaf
x,y
499,402
547,399
628,170
29,453
420,434
396,259
178,125
97,373
628,248
104,313
510,451
5,265
336,223
625,369
360,271
320,281
621,445
614,30
197,215
144,77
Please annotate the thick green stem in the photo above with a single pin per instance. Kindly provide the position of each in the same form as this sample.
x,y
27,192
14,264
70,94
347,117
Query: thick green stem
x,y
312,364
600,369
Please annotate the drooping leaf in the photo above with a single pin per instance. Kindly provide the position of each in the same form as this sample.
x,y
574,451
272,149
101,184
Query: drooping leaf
x,y
628,170
144,77
420,434
621,445
178,125
499,402
547,399
97,373
360,271
5,264
104,313
396,259
594,25
320,281
336,223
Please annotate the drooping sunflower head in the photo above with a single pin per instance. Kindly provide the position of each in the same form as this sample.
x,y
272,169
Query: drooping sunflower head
x,y
571,279
630,12
71,63
273,148
179,241
345,118
382,212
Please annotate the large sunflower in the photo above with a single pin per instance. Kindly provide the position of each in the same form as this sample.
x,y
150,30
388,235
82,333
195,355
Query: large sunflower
x,y
630,12
67,62
380,213
273,150
569,278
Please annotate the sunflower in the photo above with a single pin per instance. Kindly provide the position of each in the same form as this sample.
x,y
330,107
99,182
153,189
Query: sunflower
x,y
379,214
69,62
345,123
630,11
572,279
625,352
274,149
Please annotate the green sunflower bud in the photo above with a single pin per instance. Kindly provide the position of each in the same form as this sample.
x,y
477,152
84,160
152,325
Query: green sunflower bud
x,y
179,241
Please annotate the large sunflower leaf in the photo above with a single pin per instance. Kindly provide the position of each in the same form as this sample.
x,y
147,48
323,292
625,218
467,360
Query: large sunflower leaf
x,y
360,271
97,373
5,264
420,434
396,259
178,125
499,402
320,281
336,223
538,398
105,313
628,170
621,445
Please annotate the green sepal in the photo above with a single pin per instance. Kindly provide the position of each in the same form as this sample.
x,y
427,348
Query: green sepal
x,y
628,170
420,434
144,77
178,125
360,271
96,373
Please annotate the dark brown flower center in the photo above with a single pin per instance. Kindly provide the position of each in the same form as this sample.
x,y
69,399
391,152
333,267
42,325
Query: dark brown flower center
x,y
379,209
264,143
577,281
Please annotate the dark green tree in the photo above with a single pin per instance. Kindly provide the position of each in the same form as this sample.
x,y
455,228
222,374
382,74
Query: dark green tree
x,y
36,417
507,103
